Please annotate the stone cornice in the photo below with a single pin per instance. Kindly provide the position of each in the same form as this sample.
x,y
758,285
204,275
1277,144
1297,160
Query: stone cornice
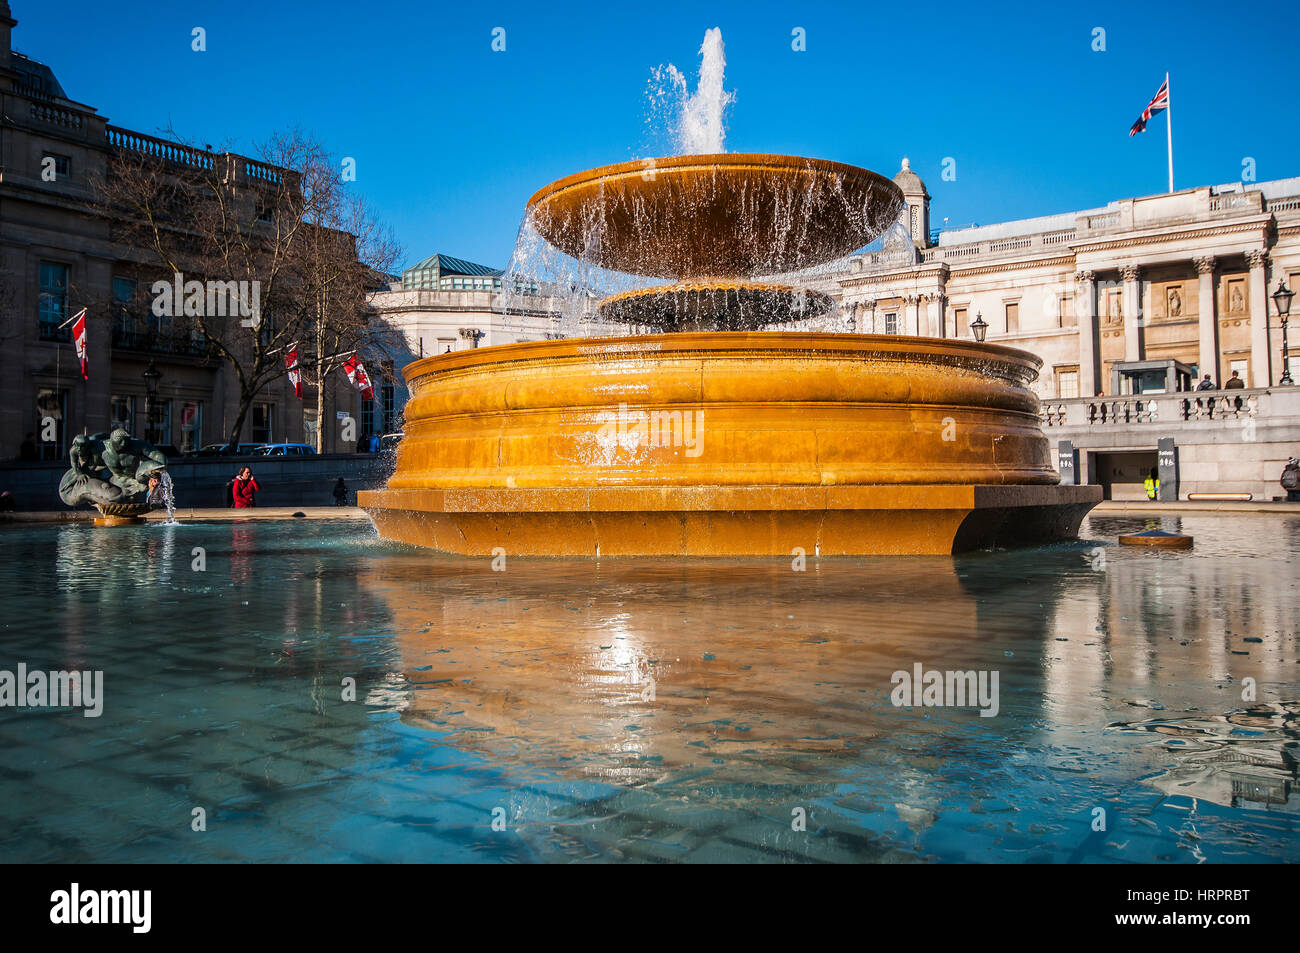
x,y
1014,264
1130,240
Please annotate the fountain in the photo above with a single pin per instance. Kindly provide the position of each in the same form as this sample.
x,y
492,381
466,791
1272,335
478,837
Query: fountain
x,y
111,471
709,435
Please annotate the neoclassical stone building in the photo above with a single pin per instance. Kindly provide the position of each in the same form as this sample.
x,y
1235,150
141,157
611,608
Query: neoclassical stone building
x,y
57,256
1183,278
1128,306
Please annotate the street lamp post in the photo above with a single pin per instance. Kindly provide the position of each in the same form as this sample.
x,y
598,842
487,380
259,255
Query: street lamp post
x,y
1282,298
979,327
151,377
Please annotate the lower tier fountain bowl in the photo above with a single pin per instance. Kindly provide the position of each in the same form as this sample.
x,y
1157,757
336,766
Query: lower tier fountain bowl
x,y
725,444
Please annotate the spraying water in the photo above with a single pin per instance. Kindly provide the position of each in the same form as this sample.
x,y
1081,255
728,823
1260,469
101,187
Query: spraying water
x,y
560,293
167,493
693,120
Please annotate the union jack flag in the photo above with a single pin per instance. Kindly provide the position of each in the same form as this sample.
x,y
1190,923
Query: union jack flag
x,y
1159,103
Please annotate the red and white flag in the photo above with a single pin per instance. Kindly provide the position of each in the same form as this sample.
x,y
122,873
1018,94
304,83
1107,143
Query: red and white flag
x,y
79,341
359,378
295,372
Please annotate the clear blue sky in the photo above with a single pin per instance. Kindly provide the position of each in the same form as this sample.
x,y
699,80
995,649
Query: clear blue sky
x,y
451,138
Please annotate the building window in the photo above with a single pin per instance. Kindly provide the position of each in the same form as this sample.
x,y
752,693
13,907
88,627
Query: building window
x,y
191,425
388,401
124,324
158,426
309,426
959,324
62,166
121,413
262,423
1013,318
891,322
52,304
1067,382
51,413
266,330
1065,312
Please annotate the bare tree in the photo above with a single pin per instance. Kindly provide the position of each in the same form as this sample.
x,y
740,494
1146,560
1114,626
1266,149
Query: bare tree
x,y
343,255
262,238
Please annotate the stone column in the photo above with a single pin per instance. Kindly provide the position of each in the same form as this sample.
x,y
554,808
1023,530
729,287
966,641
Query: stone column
x,y
1261,374
1132,312
923,316
1085,313
912,326
1208,320
936,316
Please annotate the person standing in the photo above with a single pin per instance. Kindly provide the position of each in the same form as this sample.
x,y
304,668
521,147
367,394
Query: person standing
x,y
1152,484
1235,382
340,493
28,449
1206,383
245,489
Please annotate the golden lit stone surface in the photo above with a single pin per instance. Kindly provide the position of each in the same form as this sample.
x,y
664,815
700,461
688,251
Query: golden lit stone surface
x,y
729,215
725,444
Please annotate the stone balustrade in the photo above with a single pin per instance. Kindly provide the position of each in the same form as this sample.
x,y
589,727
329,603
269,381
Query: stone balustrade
x,y
1166,409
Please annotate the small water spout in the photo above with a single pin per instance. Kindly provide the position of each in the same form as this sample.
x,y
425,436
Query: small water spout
x,y
167,495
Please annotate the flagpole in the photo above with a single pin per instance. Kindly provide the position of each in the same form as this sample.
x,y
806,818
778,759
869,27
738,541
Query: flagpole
x,y
1169,130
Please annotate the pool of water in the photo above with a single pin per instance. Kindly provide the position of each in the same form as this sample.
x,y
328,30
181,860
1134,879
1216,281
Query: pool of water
x,y
653,710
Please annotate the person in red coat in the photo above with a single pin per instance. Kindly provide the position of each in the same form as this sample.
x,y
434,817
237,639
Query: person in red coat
x,y
245,489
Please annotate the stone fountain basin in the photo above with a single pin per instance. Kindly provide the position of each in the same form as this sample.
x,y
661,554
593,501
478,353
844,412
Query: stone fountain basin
x,y
729,215
725,443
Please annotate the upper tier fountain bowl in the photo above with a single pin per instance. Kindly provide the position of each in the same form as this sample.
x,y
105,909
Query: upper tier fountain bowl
x,y
726,440
730,215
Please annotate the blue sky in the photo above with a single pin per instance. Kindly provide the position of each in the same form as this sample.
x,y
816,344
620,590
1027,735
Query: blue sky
x,y
451,138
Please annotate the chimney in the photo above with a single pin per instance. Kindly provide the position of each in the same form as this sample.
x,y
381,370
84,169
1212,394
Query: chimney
x,y
7,24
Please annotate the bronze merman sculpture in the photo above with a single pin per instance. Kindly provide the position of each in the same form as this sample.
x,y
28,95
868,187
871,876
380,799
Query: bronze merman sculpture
x,y
111,472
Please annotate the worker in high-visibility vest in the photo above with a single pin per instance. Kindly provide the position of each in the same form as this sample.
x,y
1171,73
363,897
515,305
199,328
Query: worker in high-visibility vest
x,y
1152,484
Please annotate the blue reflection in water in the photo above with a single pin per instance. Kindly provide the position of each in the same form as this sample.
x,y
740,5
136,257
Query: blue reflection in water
x,y
648,709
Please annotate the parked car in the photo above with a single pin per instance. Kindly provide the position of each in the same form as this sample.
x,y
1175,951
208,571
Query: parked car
x,y
285,450
169,451
226,450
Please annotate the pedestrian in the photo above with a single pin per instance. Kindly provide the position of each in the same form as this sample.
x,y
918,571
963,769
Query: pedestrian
x,y
1152,484
340,493
1291,480
374,443
7,504
28,449
228,496
1234,382
245,489
1205,384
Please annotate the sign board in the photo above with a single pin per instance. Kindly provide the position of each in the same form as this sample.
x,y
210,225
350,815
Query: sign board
x,y
1167,462
1067,463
